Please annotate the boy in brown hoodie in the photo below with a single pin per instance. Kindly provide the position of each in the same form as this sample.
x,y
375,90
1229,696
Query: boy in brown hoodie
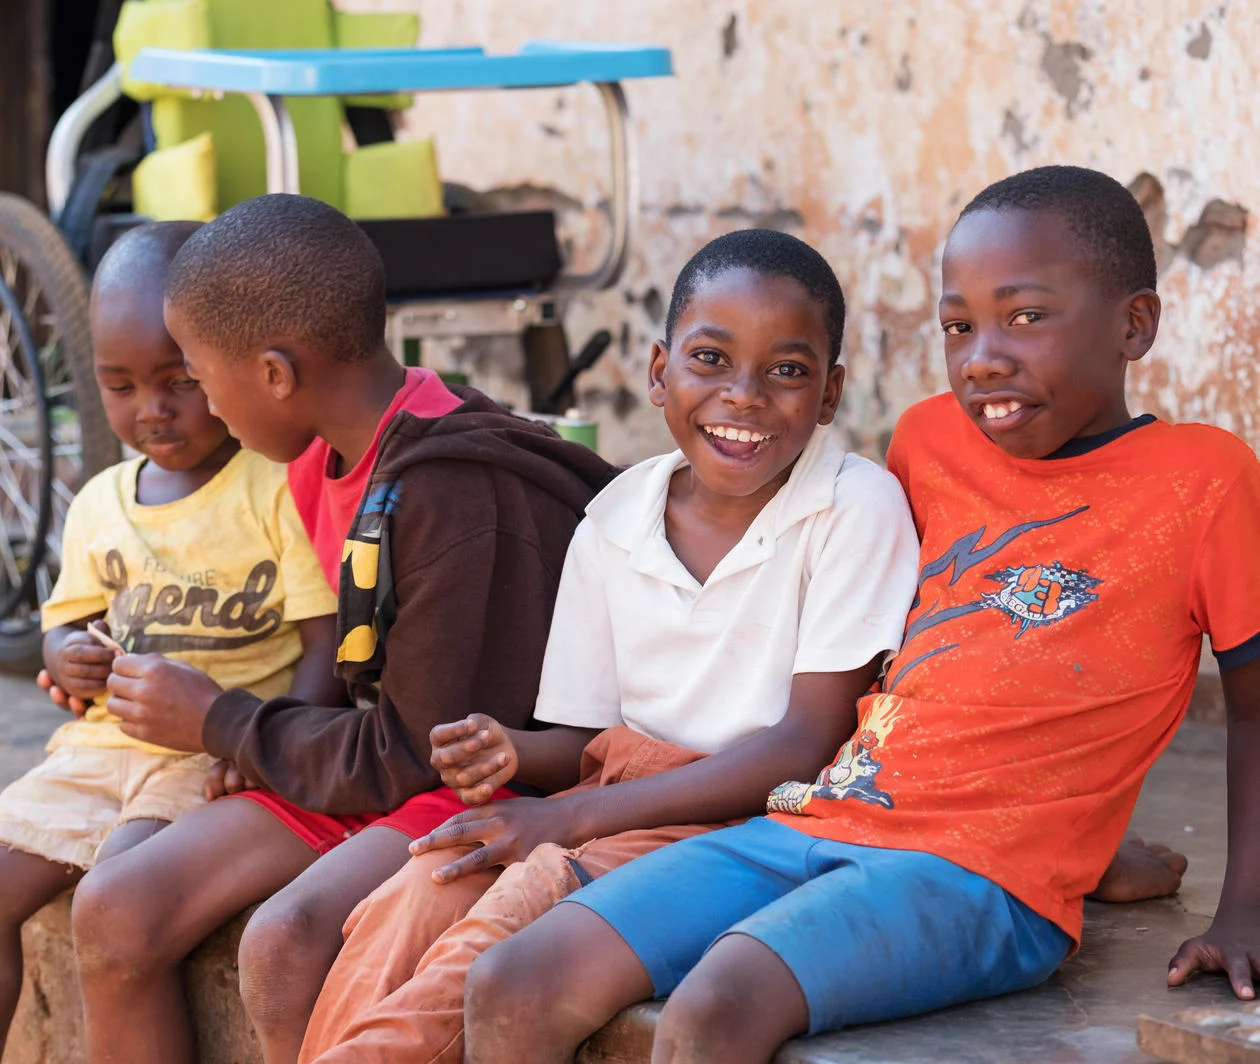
x,y
447,582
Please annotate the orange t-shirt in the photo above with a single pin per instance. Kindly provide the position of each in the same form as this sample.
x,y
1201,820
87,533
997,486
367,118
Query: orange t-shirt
x,y
1051,652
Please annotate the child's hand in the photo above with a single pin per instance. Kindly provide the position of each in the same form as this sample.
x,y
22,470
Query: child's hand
x,y
226,778
502,832
1231,945
59,698
474,756
79,668
161,700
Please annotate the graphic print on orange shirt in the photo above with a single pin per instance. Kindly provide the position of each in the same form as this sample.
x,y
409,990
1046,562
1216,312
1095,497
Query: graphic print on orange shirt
x,y
1030,595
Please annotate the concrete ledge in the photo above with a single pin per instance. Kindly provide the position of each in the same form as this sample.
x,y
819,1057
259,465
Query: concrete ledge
x,y
48,1027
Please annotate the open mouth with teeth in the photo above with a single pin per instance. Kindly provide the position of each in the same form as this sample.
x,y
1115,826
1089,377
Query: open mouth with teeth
x,y
735,442
1006,414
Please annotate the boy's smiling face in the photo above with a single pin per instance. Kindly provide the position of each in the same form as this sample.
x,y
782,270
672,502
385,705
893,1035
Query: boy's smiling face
x,y
746,381
1035,344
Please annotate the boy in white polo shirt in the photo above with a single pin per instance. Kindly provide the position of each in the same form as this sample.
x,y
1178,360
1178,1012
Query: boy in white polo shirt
x,y
732,599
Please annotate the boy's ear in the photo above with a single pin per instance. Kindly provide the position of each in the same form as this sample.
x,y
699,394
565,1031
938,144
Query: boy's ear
x,y
279,373
656,373
1142,311
832,390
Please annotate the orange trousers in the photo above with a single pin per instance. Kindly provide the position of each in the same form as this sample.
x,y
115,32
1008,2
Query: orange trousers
x,y
396,992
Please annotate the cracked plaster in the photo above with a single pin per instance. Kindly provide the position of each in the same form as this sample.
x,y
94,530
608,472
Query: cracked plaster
x,y
863,128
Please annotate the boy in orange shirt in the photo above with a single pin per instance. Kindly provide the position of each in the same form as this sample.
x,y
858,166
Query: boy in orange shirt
x,y
1072,558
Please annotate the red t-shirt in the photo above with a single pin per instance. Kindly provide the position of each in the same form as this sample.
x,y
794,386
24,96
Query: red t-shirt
x,y
327,503
1052,650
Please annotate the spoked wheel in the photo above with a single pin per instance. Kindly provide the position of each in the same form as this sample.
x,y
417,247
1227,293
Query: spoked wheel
x,y
53,432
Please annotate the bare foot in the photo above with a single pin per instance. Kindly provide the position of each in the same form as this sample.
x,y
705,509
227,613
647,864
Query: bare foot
x,y
1139,871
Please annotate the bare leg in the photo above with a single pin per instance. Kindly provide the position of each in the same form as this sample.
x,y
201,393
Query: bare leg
x,y
30,883
572,960
737,1006
292,941
1139,871
27,884
127,835
139,914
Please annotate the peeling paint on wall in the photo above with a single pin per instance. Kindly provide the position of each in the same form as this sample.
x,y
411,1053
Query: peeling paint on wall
x,y
864,128
1063,62
1201,46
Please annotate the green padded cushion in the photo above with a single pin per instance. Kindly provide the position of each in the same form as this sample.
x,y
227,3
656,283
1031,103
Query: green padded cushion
x,y
177,184
392,180
240,160
397,180
180,24
376,30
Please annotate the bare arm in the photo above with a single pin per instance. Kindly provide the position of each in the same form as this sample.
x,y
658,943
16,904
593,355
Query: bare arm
x,y
1232,943
313,679
733,783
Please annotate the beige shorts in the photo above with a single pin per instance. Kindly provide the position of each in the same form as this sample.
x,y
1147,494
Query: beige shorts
x,y
64,808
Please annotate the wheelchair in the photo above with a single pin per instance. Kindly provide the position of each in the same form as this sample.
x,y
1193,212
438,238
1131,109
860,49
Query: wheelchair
x,y
195,105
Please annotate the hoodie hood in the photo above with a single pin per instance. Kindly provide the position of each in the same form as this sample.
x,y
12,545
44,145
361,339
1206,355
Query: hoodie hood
x,y
480,430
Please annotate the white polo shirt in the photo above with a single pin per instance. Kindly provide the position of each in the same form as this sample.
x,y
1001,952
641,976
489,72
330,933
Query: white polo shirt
x,y
821,582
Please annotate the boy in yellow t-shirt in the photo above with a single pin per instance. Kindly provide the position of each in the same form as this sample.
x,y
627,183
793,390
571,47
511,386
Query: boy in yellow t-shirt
x,y
193,550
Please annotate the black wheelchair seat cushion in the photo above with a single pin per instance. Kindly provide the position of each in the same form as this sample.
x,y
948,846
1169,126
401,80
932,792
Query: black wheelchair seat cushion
x,y
509,252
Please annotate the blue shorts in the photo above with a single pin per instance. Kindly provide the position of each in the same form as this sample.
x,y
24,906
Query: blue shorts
x,y
868,933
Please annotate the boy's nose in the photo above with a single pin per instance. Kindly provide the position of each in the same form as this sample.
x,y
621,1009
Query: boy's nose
x,y
155,409
985,360
744,390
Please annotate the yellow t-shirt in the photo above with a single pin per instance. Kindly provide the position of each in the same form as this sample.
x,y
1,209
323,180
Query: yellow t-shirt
x,y
218,579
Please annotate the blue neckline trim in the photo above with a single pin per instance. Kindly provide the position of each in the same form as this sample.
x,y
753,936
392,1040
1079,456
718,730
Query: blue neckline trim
x,y
1085,444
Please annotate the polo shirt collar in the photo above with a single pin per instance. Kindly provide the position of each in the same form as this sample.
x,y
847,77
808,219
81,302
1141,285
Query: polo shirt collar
x,y
630,512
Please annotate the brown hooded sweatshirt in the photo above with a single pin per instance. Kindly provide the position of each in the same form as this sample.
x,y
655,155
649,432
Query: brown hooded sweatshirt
x,y
446,596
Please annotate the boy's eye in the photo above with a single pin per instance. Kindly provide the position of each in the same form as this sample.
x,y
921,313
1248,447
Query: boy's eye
x,y
956,328
789,370
708,357
183,384
1027,317
119,389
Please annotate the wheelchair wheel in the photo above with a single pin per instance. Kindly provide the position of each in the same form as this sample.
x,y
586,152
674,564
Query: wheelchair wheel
x,y
53,432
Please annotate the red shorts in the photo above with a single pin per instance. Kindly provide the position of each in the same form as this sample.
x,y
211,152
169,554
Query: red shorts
x,y
321,832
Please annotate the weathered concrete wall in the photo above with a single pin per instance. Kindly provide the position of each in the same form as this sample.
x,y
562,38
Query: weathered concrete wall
x,y
864,127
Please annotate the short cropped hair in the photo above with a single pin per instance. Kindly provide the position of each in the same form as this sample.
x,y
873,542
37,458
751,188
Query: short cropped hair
x,y
142,256
1100,214
772,254
277,269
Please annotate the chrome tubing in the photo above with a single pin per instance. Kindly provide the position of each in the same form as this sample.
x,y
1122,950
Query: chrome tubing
x,y
624,195
279,140
63,146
